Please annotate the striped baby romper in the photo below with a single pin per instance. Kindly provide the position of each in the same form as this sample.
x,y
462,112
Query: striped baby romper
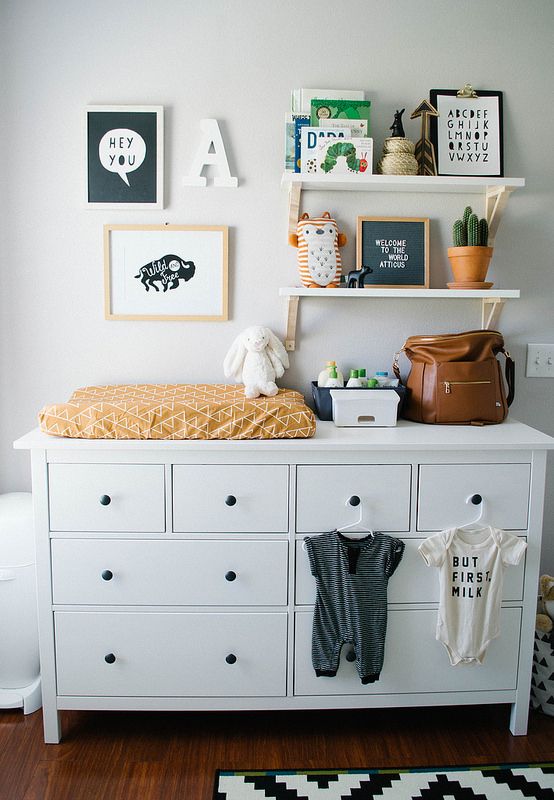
x,y
351,605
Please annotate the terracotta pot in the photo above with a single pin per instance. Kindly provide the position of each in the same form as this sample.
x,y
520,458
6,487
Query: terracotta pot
x,y
469,263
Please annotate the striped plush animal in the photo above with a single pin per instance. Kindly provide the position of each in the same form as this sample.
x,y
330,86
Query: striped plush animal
x,y
318,241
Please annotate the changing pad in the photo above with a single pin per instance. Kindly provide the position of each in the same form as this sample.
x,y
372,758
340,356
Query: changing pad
x,y
178,411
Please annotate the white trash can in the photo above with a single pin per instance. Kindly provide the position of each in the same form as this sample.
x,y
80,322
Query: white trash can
x,y
19,654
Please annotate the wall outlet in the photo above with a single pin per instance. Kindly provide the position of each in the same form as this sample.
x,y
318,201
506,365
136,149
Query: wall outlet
x,y
540,361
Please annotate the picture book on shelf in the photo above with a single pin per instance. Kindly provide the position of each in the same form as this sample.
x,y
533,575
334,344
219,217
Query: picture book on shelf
x,y
293,125
322,109
300,123
301,98
358,127
341,156
311,138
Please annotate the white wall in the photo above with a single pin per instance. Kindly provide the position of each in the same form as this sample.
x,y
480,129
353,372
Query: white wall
x,y
237,61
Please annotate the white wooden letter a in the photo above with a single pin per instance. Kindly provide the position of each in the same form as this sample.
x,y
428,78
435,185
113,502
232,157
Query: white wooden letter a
x,y
211,141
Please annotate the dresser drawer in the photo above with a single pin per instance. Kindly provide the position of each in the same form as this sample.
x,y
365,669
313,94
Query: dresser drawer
x,y
230,498
413,582
444,490
208,572
323,492
107,497
164,654
414,660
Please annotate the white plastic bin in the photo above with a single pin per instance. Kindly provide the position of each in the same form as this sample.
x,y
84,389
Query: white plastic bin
x,y
365,407
19,654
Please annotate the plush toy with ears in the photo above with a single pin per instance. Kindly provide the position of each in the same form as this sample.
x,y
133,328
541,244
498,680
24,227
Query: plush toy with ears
x,y
256,358
544,622
318,241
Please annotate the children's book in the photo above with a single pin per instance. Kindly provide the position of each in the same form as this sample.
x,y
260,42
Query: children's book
x,y
292,140
301,98
346,156
358,127
311,139
322,109
301,121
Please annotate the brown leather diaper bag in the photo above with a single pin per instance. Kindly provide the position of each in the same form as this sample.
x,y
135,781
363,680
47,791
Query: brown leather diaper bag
x,y
456,378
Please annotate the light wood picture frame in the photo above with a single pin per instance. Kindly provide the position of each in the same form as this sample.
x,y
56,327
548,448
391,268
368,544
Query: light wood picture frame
x,y
395,250
124,157
166,272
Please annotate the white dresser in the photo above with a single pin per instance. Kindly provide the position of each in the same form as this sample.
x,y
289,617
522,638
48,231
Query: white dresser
x,y
171,574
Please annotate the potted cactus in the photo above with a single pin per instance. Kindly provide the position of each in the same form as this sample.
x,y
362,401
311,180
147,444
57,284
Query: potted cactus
x,y
470,255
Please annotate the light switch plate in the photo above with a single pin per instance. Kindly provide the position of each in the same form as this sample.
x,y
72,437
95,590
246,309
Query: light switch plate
x,y
540,361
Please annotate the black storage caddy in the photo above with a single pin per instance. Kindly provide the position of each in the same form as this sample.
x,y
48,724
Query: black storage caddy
x,y
323,402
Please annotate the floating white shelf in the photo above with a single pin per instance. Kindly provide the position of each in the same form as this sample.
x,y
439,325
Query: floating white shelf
x,y
492,301
496,190
400,183
301,291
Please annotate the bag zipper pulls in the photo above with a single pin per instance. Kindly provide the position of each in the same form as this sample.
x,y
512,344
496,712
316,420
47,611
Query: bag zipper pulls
x,y
448,384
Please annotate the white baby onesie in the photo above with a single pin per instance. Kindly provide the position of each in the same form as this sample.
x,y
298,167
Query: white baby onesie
x,y
471,565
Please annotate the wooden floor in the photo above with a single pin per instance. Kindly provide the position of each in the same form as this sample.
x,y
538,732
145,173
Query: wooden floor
x,y
165,756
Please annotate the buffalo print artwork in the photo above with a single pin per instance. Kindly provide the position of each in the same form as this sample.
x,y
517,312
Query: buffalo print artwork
x,y
165,272
168,271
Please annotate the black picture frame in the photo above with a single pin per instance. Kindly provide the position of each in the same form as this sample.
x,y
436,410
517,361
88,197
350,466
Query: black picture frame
x,y
124,157
466,144
396,249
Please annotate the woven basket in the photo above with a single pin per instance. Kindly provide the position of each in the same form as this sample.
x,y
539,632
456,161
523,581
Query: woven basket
x,y
397,164
396,144
542,681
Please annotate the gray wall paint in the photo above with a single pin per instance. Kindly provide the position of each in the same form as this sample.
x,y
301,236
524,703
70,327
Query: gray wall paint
x,y
237,62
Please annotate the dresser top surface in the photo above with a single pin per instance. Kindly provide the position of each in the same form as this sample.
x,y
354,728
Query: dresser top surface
x,y
509,435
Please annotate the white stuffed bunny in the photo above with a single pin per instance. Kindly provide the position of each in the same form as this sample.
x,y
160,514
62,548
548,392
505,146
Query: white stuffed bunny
x,y
256,358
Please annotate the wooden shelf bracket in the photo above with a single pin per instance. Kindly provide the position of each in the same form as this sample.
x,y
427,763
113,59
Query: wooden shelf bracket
x,y
292,315
295,191
496,199
491,308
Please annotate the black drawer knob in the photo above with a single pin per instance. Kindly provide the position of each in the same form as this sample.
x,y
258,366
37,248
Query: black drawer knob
x,y
105,500
230,576
231,658
230,500
107,575
110,658
354,500
476,499
351,655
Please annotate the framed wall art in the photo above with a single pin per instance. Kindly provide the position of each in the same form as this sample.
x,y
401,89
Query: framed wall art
x,y
468,133
124,156
395,250
166,272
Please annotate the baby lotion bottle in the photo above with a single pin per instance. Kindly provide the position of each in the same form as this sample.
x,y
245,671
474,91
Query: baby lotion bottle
x,y
362,377
382,378
324,374
353,380
333,381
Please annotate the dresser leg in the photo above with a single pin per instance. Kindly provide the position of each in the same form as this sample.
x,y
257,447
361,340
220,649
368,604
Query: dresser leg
x,y
519,717
52,725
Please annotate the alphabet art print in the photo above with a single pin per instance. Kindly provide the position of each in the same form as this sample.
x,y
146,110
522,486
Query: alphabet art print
x,y
124,156
468,133
165,272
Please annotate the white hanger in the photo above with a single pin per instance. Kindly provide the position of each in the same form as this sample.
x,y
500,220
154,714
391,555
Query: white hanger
x,y
479,521
362,529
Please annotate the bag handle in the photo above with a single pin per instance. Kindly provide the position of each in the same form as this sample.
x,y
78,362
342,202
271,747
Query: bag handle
x,y
510,373
395,367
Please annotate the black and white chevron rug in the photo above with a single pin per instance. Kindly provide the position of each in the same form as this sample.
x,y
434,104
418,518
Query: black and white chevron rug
x,y
499,782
